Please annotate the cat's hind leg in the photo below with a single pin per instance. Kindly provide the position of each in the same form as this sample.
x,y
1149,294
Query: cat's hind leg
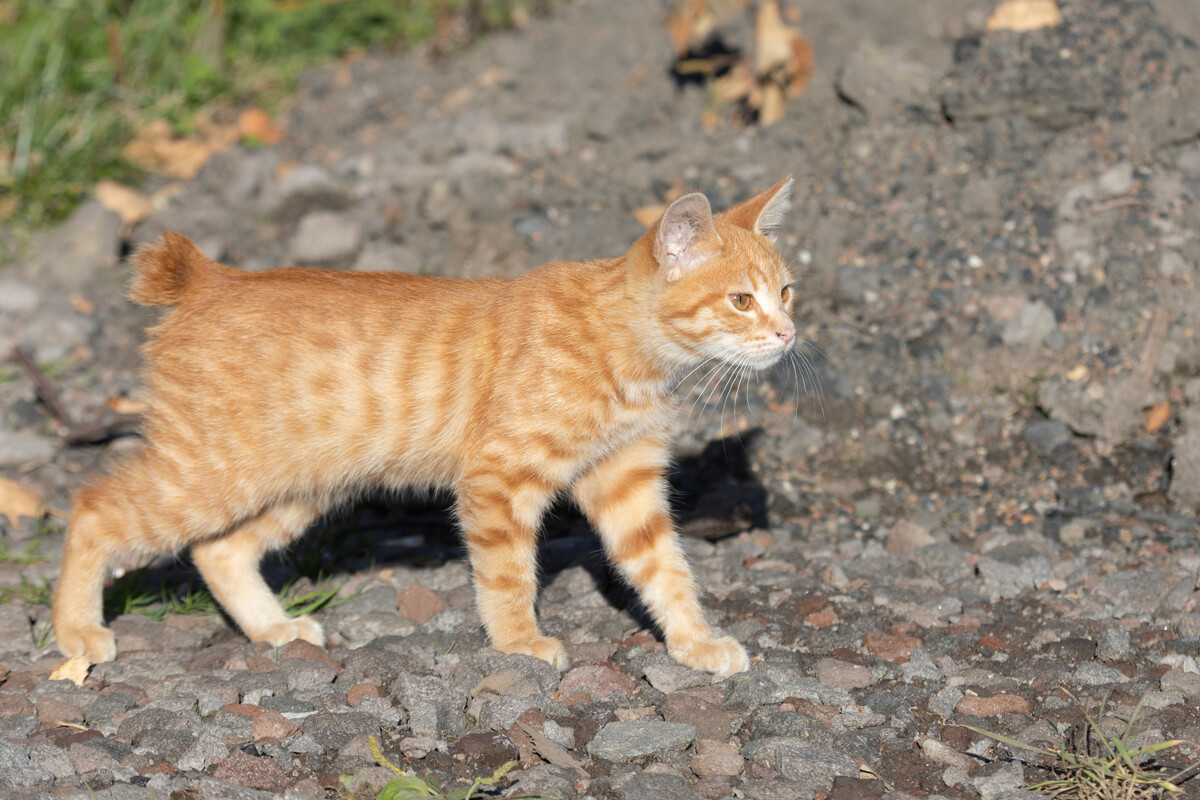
x,y
625,497
500,515
230,566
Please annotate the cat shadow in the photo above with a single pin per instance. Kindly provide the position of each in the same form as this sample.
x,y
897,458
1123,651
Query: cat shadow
x,y
714,495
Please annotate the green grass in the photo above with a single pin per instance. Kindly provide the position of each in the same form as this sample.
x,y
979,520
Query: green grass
x,y
409,787
78,76
33,594
1103,766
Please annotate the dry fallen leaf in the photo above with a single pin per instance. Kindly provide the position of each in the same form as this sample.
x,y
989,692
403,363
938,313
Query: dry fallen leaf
x,y
81,304
18,501
156,148
1024,15
256,125
74,670
1157,416
127,405
648,215
129,204
1078,373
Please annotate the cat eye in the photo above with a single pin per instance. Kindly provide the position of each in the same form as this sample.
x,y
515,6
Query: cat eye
x,y
741,301
786,294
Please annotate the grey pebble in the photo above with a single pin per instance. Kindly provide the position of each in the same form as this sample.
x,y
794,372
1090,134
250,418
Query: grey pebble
x,y
1114,644
623,741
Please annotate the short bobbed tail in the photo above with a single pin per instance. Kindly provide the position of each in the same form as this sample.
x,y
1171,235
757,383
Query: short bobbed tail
x,y
164,271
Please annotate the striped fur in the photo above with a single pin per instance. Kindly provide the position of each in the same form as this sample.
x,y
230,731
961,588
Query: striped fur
x,y
278,394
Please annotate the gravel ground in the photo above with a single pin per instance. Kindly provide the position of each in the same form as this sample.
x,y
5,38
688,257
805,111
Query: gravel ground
x,y
978,509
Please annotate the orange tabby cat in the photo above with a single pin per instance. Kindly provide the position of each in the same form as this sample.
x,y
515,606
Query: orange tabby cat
x,y
277,395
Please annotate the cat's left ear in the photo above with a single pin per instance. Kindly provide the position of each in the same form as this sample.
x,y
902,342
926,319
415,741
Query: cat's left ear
x,y
763,213
685,236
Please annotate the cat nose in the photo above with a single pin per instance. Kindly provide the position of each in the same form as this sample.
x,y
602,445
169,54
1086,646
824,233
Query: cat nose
x,y
787,334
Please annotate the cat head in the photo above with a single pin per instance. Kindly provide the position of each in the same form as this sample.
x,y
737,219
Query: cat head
x,y
719,288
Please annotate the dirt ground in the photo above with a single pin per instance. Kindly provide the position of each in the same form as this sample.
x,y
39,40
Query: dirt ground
x,y
974,510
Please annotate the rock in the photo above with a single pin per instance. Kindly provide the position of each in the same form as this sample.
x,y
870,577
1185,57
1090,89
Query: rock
x,y
890,647
813,767
993,706
920,667
1183,683
435,707
1090,673
544,780
333,731
882,81
1014,568
1158,118
944,701
419,603
325,238
55,331
1033,323
359,629
1117,181
1172,264
598,682
1185,481
67,256
217,789
662,786
246,770
623,741
940,753
19,449
18,296
833,672
668,678
1002,784
387,257
304,189
1114,644
1077,530
1189,162
491,748
271,725
1046,435
906,537
716,758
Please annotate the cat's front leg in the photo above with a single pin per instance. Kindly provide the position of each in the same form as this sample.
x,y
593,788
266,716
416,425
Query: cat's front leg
x,y
625,497
500,514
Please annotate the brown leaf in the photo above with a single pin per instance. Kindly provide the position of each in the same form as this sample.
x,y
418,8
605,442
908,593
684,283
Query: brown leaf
x,y
18,501
1157,416
772,39
1024,15
772,105
648,215
81,304
255,125
129,204
74,670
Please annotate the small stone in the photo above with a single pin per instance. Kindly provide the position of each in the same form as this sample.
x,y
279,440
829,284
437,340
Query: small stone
x,y
387,257
417,746
306,188
1189,162
993,706
920,667
716,758
598,682
623,741
941,753
668,678
833,672
360,690
1117,181
890,647
1114,644
659,786
435,707
217,789
420,603
1180,682
491,748
325,238
1077,530
1092,674
1033,323
1046,435
272,725
1172,264
1003,784
944,701
16,296
21,450
246,770
906,537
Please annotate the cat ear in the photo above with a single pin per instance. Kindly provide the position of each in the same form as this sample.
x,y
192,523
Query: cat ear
x,y
677,245
763,213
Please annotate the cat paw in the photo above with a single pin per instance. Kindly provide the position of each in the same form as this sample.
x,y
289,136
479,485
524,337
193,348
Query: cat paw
x,y
298,628
724,656
95,642
547,648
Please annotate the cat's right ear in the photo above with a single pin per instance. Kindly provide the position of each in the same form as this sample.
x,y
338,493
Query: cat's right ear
x,y
679,244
